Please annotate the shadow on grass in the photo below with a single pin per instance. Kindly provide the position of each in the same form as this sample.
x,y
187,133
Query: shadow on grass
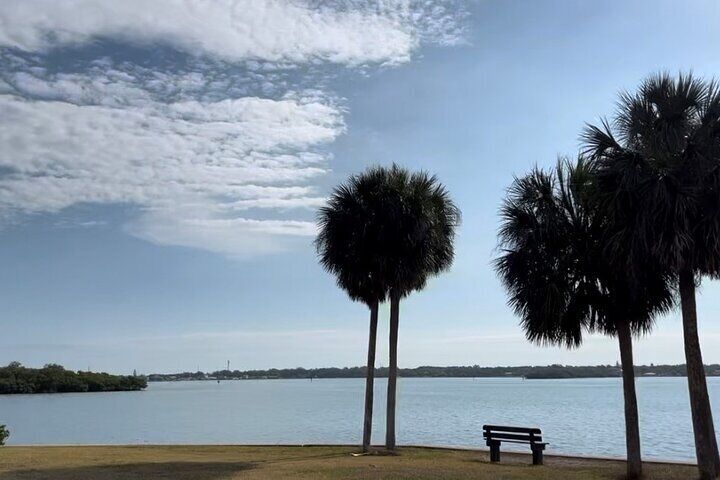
x,y
134,471
297,458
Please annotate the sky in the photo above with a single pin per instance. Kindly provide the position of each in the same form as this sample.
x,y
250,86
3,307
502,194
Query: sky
x,y
161,164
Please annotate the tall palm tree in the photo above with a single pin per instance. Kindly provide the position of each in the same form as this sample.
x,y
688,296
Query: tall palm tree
x,y
419,222
348,243
659,175
561,282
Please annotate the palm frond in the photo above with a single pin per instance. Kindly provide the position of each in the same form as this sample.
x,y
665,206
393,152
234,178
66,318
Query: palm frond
x,y
387,231
657,183
554,263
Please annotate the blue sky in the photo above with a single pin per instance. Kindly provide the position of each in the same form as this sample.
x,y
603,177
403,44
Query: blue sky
x,y
161,166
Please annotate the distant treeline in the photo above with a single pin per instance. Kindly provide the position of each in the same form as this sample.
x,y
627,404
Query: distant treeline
x,y
55,379
549,371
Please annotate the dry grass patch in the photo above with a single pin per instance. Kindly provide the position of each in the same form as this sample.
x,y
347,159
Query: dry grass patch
x,y
239,462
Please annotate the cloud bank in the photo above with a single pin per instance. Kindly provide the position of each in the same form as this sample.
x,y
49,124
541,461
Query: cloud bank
x,y
268,30
222,150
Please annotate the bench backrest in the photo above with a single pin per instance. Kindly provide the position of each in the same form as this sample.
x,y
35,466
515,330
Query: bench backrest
x,y
512,434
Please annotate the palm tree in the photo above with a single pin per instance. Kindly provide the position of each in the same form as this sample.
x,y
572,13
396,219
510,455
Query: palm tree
x,y
348,243
419,222
659,178
383,234
561,282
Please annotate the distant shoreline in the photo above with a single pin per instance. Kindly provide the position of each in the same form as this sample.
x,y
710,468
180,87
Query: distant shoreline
x,y
527,372
358,378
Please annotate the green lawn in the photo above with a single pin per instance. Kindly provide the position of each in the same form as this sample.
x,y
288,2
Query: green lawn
x,y
237,462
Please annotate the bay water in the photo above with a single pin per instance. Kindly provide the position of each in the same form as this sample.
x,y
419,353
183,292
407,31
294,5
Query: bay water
x,y
577,416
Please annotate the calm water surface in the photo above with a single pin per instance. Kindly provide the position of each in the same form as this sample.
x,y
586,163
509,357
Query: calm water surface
x,y
580,416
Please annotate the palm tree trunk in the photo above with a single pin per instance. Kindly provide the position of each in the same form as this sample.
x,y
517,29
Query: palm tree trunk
x,y
705,441
370,377
715,450
392,373
632,424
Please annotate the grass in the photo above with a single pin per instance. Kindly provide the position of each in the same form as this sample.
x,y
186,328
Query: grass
x,y
246,462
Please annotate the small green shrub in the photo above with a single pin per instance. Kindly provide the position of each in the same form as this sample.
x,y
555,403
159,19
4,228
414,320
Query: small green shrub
x,y
4,434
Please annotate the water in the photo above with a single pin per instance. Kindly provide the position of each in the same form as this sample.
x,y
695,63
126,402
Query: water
x,y
580,416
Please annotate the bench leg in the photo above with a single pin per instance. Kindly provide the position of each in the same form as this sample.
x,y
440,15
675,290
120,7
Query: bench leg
x,y
537,455
494,451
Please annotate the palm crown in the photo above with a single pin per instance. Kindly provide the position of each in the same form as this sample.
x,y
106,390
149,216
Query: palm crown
x,y
350,236
419,228
658,169
387,229
554,264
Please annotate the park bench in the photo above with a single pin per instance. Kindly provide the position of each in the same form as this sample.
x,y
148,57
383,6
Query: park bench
x,y
494,435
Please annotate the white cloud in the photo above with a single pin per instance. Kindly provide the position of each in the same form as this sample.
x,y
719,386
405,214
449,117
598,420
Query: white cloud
x,y
236,237
192,167
222,151
350,32
203,172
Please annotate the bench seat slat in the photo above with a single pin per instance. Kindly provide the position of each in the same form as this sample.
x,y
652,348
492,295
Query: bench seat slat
x,y
512,436
501,428
524,443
